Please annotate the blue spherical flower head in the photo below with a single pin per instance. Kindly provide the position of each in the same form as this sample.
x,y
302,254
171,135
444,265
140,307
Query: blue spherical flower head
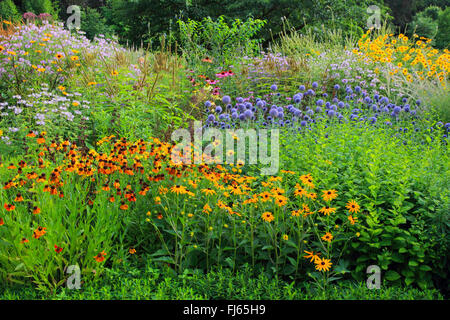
x,y
358,89
337,87
273,87
397,110
319,102
315,85
218,109
303,123
240,100
418,102
273,112
331,113
248,114
211,118
226,99
302,88
208,104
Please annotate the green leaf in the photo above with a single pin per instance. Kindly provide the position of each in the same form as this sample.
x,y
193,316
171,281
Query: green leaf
x,y
392,275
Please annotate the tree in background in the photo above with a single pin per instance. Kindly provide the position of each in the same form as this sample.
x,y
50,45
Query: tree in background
x,y
8,10
425,23
39,6
443,36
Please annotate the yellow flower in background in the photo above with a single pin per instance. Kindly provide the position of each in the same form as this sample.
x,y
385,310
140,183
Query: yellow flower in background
x,y
114,72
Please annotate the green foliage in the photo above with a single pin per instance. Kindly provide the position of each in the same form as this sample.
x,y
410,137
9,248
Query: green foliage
x,y
39,6
443,36
218,39
93,23
8,10
425,23
131,282
401,192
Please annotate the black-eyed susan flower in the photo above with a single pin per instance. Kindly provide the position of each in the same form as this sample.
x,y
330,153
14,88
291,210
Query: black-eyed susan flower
x,y
352,219
329,195
311,255
352,206
327,210
132,251
178,189
268,216
327,237
208,191
323,264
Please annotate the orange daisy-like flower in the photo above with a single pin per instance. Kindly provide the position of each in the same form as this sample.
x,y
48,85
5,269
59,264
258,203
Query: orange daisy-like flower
x,y
178,189
39,232
311,255
281,201
307,180
24,240
352,219
207,208
2,222
327,210
265,196
329,195
208,191
9,207
100,257
123,206
323,264
207,59
327,237
36,210
132,251
352,206
18,198
268,216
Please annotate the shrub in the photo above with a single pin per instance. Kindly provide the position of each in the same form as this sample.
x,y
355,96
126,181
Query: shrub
x,y
8,10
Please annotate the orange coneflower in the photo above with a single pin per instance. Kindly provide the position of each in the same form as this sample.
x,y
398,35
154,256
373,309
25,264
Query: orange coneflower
x,y
9,207
18,198
311,255
329,195
36,210
327,237
323,264
2,222
24,240
39,232
178,189
268,216
352,206
100,257
208,191
31,134
132,251
327,210
40,139
207,208
123,206
352,219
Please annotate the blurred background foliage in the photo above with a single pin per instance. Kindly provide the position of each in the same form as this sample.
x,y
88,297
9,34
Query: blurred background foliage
x,y
143,22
